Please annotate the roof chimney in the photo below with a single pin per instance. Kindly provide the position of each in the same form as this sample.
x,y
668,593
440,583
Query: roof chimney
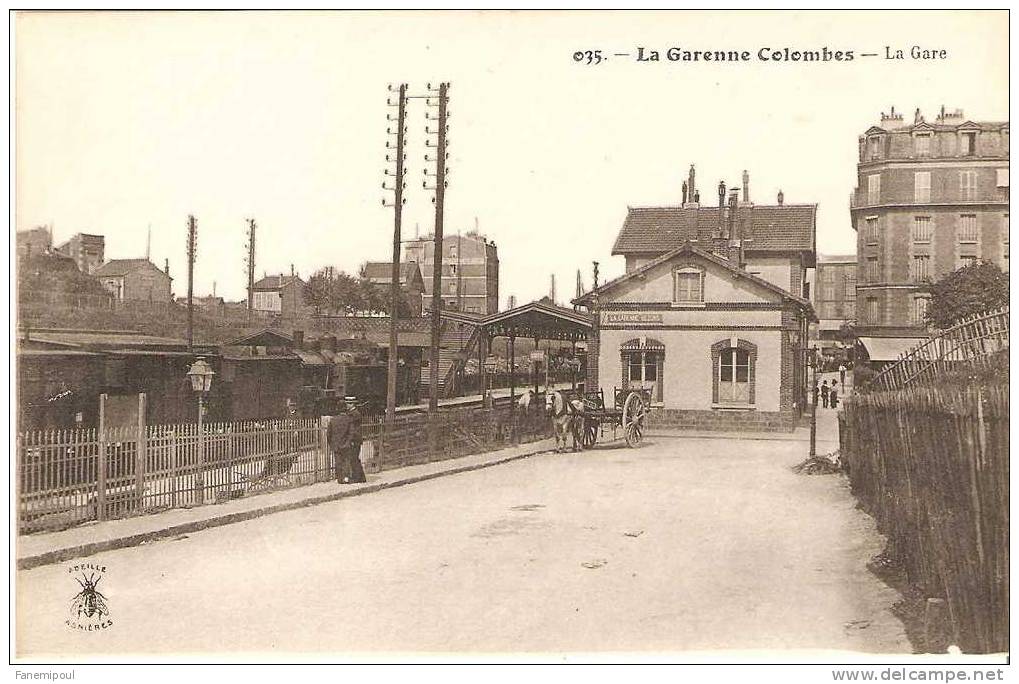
x,y
691,189
291,270
684,192
721,207
781,198
166,266
746,186
298,339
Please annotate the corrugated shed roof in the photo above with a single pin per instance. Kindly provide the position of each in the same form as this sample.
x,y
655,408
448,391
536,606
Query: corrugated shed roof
x,y
785,227
102,338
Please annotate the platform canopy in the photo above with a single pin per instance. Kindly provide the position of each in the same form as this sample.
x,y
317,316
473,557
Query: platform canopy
x,y
538,320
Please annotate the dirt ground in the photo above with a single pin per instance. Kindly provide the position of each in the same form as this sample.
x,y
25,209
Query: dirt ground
x,y
681,545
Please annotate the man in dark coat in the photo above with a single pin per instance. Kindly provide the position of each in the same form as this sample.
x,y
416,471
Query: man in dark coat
x,y
356,469
824,393
338,436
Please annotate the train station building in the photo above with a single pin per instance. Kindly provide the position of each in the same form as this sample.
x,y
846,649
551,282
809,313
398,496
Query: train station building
x,y
712,313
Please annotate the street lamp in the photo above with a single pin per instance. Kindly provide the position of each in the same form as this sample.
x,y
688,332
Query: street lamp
x,y
490,366
200,375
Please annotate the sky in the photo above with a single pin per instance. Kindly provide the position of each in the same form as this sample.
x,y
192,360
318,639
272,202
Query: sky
x,y
129,122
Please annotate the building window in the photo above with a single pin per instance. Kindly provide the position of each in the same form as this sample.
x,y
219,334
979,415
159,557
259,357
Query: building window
x,y
922,144
922,229
1002,181
968,185
920,310
874,188
969,144
733,372
849,288
829,275
873,270
688,286
967,260
875,147
870,230
922,186
829,292
920,267
643,363
968,228
872,312
849,310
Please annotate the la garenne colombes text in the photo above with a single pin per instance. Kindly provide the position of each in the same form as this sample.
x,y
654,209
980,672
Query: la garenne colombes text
x,y
784,54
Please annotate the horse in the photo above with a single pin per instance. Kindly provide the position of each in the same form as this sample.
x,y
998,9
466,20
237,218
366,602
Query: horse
x,y
524,402
567,418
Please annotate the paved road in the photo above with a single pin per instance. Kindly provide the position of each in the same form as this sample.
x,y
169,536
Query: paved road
x,y
684,544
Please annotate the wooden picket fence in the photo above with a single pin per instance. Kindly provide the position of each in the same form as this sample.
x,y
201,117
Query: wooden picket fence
x,y
931,465
972,345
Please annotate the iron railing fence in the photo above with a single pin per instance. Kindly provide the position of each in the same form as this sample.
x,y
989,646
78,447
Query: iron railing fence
x,y
69,477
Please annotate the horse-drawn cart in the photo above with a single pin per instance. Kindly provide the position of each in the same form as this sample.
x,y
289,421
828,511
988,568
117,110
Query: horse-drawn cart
x,y
629,412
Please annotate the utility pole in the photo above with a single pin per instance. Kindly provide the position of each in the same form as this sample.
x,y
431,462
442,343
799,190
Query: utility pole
x,y
440,191
251,267
192,243
398,201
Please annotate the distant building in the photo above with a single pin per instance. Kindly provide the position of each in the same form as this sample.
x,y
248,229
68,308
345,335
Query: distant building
x,y
380,274
834,294
86,250
210,304
134,279
470,271
33,242
931,198
281,294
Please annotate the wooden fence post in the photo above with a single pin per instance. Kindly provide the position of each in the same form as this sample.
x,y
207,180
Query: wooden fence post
x,y
141,449
101,462
322,457
173,467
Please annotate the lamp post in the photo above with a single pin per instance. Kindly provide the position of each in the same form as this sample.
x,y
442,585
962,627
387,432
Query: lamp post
x,y
490,366
200,375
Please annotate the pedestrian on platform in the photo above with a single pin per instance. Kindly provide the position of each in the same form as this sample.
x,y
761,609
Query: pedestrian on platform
x,y
842,374
824,393
833,395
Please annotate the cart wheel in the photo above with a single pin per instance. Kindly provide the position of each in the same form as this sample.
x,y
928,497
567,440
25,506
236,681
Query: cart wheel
x,y
634,412
590,434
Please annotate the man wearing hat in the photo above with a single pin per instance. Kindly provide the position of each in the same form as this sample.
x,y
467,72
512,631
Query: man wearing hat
x,y
338,436
356,470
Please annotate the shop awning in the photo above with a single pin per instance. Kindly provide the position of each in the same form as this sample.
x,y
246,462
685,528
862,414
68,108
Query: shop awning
x,y
889,348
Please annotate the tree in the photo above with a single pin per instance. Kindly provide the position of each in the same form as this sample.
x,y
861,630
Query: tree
x,y
329,291
971,290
